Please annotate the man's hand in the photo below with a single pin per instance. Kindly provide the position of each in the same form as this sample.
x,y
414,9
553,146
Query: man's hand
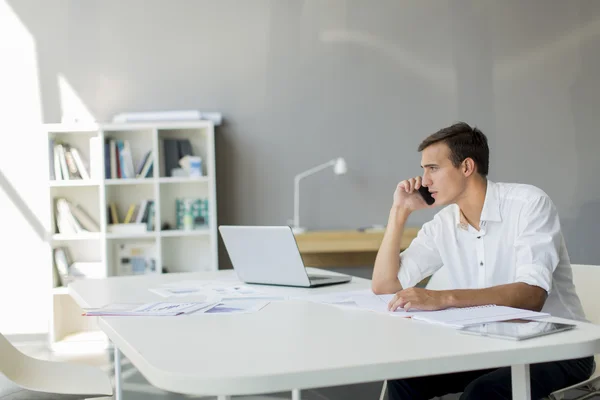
x,y
407,197
417,298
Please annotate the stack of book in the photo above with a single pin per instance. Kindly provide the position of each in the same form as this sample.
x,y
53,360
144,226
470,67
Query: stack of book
x,y
67,163
139,218
118,161
71,218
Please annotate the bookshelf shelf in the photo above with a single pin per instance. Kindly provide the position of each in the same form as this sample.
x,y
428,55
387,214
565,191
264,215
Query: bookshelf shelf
x,y
144,235
184,179
176,233
129,181
65,237
73,183
112,156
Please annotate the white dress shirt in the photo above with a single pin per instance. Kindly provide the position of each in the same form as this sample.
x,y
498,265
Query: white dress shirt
x,y
519,240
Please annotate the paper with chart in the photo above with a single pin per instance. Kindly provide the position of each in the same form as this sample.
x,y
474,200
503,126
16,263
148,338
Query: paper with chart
x,y
225,289
159,309
242,306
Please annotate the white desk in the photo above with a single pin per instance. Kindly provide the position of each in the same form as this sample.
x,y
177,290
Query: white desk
x,y
300,345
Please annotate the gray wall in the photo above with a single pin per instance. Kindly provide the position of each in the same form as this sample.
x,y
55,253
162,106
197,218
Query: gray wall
x,y
301,82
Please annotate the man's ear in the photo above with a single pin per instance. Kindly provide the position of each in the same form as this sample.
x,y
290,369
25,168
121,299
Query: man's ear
x,y
468,167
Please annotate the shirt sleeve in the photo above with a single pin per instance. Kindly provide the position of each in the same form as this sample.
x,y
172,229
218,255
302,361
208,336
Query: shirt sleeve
x,y
422,258
538,243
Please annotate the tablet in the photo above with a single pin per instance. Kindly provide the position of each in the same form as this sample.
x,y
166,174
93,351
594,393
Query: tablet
x,y
516,329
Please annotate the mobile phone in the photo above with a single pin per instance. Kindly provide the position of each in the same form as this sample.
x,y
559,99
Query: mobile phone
x,y
426,195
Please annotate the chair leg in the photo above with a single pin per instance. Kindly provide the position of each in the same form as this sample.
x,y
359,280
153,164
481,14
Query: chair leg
x,y
383,389
592,393
118,386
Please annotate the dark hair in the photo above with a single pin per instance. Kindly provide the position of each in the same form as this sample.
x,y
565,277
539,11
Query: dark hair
x,y
464,142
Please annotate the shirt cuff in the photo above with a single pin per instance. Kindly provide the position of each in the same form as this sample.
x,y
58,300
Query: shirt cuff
x,y
536,275
410,274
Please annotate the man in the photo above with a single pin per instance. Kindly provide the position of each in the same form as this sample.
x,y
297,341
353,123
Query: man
x,y
501,243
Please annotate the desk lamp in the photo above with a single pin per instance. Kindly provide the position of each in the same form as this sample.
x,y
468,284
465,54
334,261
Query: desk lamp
x,y
339,168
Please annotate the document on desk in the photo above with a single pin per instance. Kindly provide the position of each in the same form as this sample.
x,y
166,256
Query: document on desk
x,y
242,306
224,289
452,317
461,317
359,299
160,309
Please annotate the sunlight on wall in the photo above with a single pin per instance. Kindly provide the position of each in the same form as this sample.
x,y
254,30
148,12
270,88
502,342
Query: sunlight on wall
x,y
73,109
25,278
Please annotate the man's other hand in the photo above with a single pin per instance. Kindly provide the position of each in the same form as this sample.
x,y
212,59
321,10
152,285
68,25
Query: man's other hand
x,y
417,298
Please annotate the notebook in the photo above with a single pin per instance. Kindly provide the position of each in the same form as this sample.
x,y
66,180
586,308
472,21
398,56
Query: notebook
x,y
461,317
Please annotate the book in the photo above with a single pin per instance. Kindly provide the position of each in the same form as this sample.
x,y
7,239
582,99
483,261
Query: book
x,y
114,216
129,214
79,163
84,219
62,262
461,317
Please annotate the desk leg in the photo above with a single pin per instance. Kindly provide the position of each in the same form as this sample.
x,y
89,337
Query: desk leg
x,y
295,394
223,397
118,388
521,382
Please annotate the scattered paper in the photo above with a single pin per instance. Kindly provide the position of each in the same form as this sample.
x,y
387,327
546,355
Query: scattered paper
x,y
238,307
178,292
224,289
150,309
360,299
237,291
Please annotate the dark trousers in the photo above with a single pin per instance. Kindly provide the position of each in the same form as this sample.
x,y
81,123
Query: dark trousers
x,y
493,384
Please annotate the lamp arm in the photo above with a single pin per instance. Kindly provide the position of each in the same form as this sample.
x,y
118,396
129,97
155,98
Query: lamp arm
x,y
313,170
297,179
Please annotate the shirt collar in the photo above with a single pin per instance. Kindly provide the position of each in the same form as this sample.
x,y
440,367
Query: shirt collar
x,y
490,211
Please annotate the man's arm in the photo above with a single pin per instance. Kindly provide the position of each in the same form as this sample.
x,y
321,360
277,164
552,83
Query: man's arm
x,y
387,262
406,199
518,295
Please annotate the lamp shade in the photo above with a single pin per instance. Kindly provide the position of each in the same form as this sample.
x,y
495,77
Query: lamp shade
x,y
340,167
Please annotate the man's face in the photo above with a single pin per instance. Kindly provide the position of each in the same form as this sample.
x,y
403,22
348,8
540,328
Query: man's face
x,y
444,181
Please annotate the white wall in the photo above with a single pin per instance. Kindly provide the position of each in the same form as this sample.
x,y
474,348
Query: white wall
x,y
24,272
301,82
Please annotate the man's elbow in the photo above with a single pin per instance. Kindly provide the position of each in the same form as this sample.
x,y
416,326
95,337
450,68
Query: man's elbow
x,y
536,297
540,300
383,287
377,288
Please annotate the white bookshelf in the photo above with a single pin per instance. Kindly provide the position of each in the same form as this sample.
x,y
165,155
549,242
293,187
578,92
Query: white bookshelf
x,y
176,250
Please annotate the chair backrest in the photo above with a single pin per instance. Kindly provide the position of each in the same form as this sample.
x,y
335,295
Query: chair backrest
x,y
32,377
587,281
585,277
10,358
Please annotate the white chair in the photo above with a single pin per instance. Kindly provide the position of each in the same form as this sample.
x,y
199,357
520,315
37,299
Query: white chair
x,y
23,377
587,281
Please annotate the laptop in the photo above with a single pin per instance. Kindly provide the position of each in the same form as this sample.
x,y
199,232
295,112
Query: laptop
x,y
269,255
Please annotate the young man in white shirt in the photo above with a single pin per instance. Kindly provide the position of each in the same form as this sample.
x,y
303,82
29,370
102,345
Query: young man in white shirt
x,y
501,243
